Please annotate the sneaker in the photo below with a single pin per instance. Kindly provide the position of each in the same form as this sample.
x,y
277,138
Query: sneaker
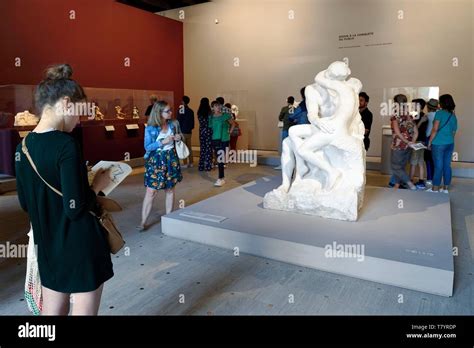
x,y
431,190
412,187
444,191
429,183
420,185
219,182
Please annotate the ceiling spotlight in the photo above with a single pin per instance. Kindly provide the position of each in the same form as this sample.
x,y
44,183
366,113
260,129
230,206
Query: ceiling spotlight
x,y
216,21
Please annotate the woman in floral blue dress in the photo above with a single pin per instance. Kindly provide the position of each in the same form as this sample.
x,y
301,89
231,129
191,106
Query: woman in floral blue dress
x,y
162,168
205,136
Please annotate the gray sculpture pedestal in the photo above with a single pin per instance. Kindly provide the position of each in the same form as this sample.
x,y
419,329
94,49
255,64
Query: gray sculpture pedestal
x,y
401,238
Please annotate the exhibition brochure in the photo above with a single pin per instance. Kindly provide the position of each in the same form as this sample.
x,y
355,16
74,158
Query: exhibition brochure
x,y
418,146
118,172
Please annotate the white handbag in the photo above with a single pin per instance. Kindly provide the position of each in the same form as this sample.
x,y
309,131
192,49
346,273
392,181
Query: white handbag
x,y
182,150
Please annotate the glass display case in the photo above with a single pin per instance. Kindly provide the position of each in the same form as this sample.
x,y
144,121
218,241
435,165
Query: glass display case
x,y
110,138
19,98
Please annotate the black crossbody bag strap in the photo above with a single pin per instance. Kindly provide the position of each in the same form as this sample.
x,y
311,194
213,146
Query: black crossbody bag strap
x,y
445,124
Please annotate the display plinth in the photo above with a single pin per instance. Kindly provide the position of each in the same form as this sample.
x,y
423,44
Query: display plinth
x,y
405,237
115,143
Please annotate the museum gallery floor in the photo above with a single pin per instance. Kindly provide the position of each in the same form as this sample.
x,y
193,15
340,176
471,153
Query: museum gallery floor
x,y
388,244
158,268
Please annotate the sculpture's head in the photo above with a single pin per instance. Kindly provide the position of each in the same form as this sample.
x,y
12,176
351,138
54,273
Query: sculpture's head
x,y
235,110
338,71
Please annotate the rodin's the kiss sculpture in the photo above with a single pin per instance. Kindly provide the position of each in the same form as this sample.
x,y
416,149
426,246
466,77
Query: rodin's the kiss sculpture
x,y
323,163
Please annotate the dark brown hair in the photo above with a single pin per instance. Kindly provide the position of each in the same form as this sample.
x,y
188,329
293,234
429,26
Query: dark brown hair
x,y
420,101
56,85
204,108
446,102
365,96
400,99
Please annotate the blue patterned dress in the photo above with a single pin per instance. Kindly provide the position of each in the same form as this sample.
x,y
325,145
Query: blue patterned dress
x,y
162,168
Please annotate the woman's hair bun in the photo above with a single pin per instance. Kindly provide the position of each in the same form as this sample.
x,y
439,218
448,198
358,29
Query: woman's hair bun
x,y
60,71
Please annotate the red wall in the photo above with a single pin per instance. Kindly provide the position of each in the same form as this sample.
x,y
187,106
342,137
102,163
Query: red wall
x,y
95,44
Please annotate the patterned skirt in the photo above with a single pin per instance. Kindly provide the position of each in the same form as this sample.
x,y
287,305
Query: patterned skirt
x,y
162,170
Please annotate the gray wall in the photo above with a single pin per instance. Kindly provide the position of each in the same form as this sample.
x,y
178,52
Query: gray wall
x,y
278,55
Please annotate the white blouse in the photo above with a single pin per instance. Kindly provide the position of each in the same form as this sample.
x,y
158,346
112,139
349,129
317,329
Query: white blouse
x,y
162,136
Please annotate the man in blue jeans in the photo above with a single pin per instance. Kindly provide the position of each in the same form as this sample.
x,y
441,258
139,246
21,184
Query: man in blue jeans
x,y
284,117
300,115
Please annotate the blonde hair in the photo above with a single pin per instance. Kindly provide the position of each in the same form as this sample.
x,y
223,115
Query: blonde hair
x,y
156,119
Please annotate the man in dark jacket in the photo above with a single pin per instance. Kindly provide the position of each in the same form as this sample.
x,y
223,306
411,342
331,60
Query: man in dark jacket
x,y
366,117
285,117
186,122
153,100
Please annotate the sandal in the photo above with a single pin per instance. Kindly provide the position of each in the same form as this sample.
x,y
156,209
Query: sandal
x,y
141,228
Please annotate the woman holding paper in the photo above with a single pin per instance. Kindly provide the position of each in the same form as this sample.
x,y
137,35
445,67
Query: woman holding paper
x,y
72,249
162,168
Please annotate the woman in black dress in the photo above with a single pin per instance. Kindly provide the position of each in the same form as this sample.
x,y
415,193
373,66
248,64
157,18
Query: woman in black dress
x,y
205,136
73,253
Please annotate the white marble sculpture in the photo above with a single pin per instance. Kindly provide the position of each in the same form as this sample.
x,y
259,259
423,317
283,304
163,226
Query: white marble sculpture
x,y
135,113
25,118
235,110
323,163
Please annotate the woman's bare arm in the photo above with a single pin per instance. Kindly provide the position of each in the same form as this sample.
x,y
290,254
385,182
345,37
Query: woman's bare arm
x,y
434,131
